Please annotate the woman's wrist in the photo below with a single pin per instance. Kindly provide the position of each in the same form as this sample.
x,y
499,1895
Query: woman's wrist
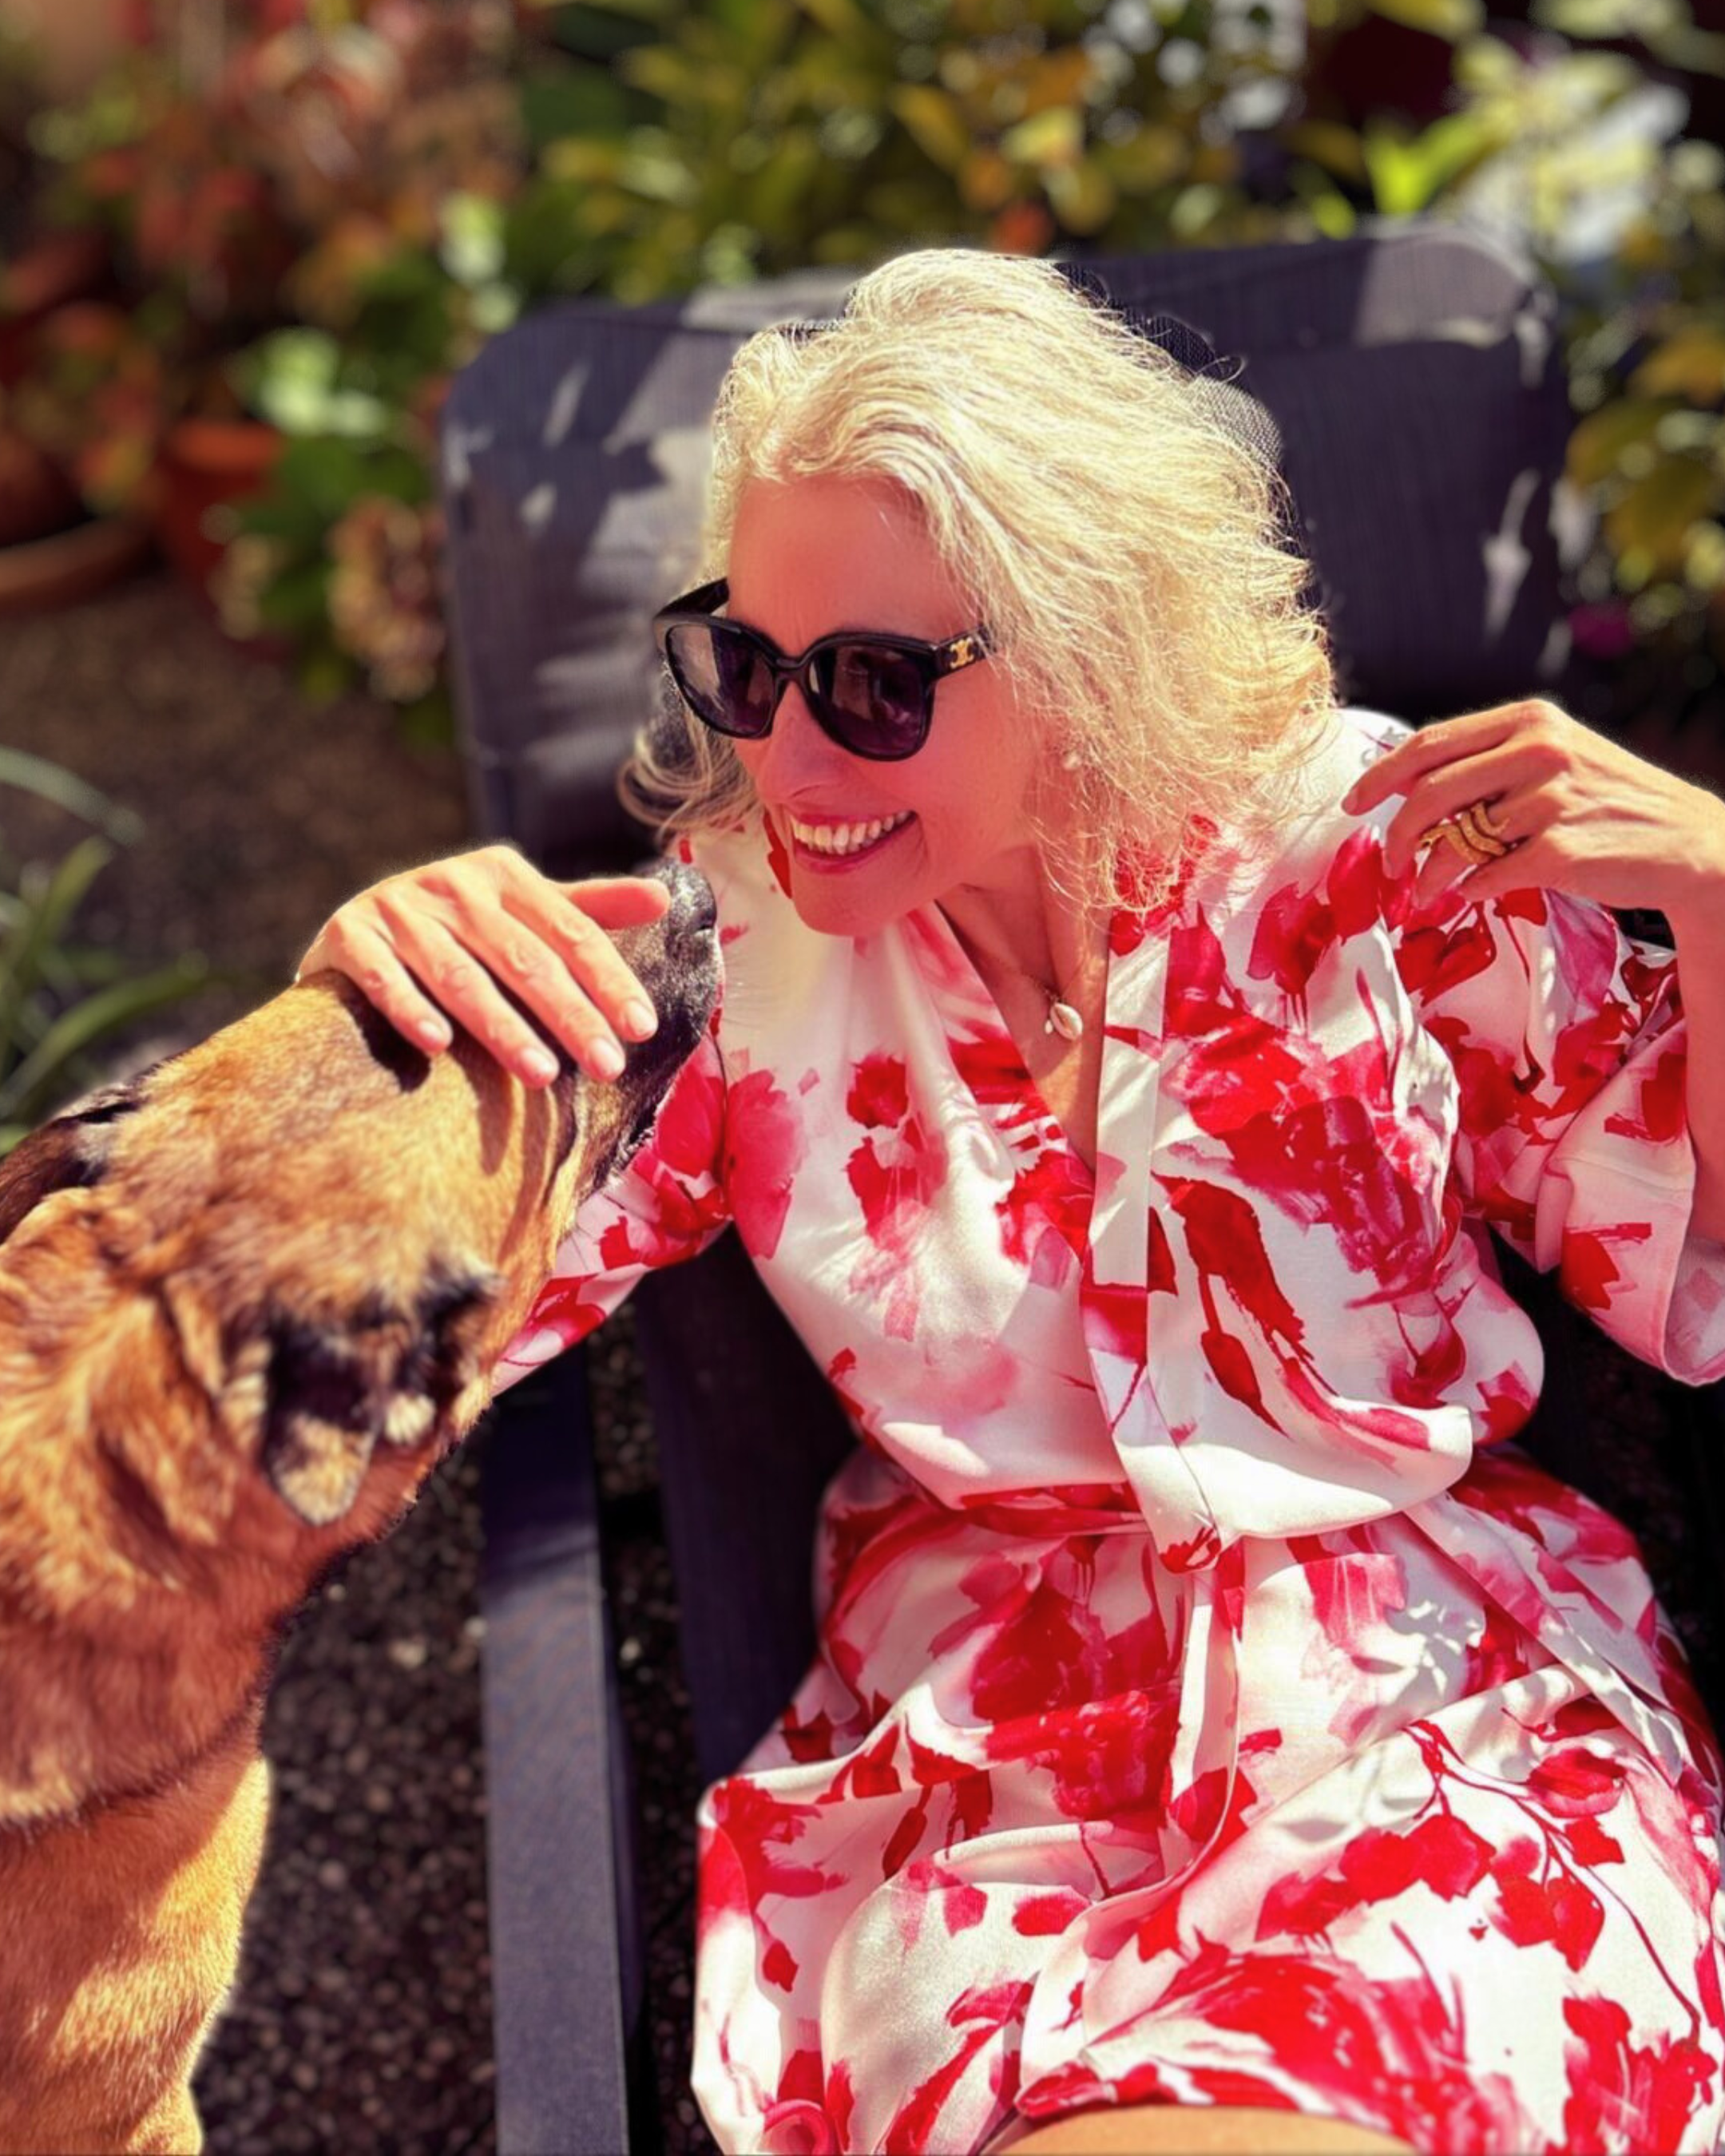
x,y
1690,891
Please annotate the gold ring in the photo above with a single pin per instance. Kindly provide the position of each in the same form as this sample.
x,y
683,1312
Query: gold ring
x,y
1473,832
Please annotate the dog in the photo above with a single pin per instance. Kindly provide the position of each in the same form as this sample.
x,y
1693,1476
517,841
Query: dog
x,y
246,1302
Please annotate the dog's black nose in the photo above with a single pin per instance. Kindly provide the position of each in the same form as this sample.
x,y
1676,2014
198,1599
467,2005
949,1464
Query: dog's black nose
x,y
702,909
692,909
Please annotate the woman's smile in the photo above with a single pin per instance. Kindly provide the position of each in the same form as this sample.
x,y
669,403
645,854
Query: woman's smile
x,y
826,846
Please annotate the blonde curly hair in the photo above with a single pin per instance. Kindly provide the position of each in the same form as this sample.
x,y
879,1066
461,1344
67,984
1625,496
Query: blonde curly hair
x,y
1124,547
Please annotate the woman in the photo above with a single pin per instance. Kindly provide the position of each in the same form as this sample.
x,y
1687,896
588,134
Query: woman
x,y
1218,1738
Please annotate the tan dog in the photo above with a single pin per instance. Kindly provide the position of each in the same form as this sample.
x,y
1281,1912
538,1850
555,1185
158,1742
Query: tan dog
x,y
245,1304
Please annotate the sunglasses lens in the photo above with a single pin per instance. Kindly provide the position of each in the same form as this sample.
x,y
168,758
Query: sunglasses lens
x,y
724,677
874,700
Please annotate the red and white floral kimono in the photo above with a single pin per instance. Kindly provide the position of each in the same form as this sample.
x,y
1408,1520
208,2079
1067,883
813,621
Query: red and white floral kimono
x,y
1210,1706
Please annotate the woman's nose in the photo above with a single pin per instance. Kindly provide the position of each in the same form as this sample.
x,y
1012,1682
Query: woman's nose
x,y
798,755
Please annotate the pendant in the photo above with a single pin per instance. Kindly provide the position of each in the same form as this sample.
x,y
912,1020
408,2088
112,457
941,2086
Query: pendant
x,y
1064,1020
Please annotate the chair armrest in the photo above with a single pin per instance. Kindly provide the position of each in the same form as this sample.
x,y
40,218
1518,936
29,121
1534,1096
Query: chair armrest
x,y
566,1968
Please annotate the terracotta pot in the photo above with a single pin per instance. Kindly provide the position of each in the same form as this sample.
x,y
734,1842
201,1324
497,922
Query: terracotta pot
x,y
208,465
52,268
68,264
76,41
36,497
72,565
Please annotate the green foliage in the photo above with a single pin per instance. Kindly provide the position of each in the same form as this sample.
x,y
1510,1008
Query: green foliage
x,y
1648,372
640,148
768,136
59,999
1548,142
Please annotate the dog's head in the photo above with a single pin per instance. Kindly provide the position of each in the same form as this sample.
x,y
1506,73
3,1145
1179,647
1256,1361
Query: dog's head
x,y
326,1236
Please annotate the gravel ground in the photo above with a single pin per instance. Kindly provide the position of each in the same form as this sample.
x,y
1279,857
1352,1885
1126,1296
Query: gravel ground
x,y
362,2017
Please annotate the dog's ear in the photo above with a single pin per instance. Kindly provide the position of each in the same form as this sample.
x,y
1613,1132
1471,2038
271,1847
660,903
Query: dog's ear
x,y
331,1392
70,1154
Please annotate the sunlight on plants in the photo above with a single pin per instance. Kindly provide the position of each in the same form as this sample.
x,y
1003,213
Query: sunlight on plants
x,y
311,227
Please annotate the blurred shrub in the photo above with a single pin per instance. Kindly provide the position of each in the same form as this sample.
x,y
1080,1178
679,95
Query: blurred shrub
x,y
359,195
746,137
642,148
59,999
1576,154
1648,373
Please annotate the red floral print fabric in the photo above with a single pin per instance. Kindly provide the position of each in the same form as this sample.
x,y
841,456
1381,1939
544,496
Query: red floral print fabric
x,y
1211,1705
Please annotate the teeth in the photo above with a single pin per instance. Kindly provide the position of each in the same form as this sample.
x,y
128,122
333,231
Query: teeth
x,y
845,838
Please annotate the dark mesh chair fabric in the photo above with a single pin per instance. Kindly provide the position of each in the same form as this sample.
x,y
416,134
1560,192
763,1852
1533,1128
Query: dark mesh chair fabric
x,y
1411,377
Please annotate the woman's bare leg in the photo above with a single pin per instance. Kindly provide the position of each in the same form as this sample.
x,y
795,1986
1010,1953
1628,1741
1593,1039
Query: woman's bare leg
x,y
1164,2129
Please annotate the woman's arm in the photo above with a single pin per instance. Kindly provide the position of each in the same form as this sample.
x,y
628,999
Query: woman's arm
x,y
1700,935
1585,816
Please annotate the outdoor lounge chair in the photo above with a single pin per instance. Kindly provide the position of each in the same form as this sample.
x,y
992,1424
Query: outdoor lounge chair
x,y
1413,377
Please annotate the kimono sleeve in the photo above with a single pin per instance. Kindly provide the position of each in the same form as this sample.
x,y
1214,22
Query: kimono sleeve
x,y
669,1203
1568,1044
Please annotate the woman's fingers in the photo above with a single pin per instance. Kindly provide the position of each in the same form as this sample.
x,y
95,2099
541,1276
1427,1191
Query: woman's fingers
x,y
541,919
561,965
567,972
463,985
509,915
372,965
486,939
614,901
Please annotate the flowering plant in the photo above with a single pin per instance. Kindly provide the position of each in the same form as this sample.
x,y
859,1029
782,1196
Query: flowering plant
x,y
327,213
300,227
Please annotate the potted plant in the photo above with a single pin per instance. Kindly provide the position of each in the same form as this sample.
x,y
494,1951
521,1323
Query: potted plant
x,y
338,557
54,543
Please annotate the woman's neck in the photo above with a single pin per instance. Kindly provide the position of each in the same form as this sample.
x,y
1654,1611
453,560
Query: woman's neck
x,y
1024,926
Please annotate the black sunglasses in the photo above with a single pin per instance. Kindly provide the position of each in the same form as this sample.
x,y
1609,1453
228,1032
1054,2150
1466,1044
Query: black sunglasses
x,y
873,695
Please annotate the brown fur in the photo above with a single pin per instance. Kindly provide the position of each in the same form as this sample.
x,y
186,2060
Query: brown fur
x,y
243,1306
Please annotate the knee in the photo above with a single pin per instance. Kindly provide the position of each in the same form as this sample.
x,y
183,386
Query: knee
x,y
1163,2129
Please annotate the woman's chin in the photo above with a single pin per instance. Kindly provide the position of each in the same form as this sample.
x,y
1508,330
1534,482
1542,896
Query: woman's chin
x,y
857,893
845,911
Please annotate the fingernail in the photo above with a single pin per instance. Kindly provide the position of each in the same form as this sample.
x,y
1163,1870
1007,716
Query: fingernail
x,y
538,1062
640,1020
606,1057
431,1035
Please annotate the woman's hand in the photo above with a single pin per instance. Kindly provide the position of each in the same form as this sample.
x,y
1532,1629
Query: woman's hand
x,y
452,936
1578,813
